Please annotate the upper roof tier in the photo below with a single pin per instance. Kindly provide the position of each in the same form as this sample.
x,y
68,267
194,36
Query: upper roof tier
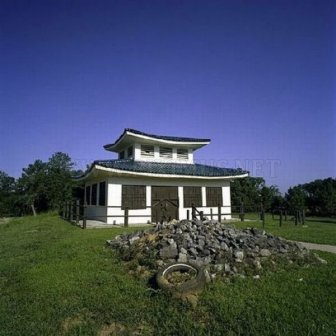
x,y
131,136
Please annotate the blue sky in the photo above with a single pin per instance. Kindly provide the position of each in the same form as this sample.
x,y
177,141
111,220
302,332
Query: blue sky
x,y
257,77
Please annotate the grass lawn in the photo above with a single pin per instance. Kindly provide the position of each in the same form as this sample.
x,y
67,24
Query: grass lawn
x,y
315,230
56,279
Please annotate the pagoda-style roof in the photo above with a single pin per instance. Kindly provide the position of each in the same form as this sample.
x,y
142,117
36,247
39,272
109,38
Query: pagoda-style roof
x,y
161,169
130,136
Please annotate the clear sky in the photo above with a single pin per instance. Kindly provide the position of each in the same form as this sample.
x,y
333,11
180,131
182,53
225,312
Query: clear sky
x,y
257,77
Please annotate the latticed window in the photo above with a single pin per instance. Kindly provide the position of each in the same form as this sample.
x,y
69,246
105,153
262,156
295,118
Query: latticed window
x,y
166,152
121,155
87,194
133,197
102,193
94,194
214,196
130,151
147,151
182,154
192,195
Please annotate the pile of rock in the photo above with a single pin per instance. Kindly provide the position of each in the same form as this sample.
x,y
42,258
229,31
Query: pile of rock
x,y
221,249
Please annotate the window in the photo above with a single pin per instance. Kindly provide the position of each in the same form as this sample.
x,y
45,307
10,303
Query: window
x,y
192,195
130,151
121,155
133,197
214,196
102,193
182,154
94,194
147,151
166,152
87,195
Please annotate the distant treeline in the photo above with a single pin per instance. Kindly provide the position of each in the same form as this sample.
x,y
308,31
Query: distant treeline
x,y
317,198
43,186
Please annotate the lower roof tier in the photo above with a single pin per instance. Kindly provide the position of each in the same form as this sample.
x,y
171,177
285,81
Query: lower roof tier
x,y
166,169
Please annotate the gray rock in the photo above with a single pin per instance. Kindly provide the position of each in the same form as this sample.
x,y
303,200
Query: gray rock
x,y
265,253
239,255
168,252
133,239
227,268
182,257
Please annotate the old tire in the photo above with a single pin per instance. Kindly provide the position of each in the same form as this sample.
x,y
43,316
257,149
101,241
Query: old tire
x,y
193,285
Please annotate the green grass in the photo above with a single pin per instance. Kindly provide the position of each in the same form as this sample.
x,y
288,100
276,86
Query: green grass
x,y
315,230
56,279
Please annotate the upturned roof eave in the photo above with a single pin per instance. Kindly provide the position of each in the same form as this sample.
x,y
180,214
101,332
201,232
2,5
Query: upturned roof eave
x,y
130,136
130,173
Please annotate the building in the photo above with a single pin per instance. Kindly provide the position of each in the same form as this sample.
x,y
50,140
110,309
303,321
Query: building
x,y
155,179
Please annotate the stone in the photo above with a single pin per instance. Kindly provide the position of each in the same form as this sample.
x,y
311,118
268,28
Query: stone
x,y
183,250
168,252
193,251
133,239
239,255
265,253
182,258
227,268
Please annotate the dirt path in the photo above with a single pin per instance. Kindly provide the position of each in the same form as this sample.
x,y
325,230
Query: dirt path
x,y
319,247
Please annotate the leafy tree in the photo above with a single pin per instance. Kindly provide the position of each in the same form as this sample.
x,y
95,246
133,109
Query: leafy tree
x,y
296,198
59,178
7,187
32,186
248,192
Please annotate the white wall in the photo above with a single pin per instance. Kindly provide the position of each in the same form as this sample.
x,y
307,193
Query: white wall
x,y
144,215
157,158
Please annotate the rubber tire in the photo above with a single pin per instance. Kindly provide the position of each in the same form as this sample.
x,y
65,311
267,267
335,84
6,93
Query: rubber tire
x,y
192,285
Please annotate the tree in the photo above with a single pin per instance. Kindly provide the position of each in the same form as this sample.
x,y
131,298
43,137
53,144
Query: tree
x,y
296,198
32,186
7,188
59,177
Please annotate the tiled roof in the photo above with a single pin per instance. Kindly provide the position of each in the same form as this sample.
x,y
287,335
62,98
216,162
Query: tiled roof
x,y
161,137
169,168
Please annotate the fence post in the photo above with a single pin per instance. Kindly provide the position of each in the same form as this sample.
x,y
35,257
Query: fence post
x,y
84,215
201,215
68,211
219,214
211,215
296,217
303,217
77,212
285,215
272,214
280,219
126,218
193,212
71,211
188,214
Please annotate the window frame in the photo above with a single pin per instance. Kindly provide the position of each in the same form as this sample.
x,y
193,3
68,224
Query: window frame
x,y
102,198
128,197
94,191
189,198
210,200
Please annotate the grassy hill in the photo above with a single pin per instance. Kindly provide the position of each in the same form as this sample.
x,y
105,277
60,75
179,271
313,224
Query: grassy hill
x,y
56,279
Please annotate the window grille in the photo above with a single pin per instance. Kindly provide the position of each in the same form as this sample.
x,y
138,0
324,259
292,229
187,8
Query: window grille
x,y
147,151
192,195
182,154
214,196
166,152
130,151
133,197
94,194
102,193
